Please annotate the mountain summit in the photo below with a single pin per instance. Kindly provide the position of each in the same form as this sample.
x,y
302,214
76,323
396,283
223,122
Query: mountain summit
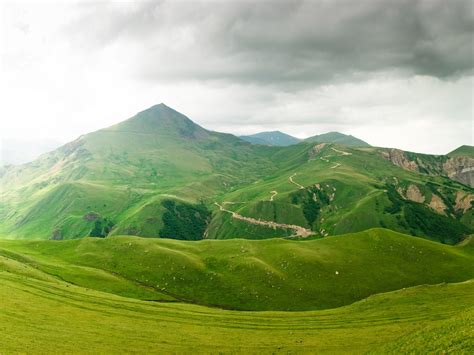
x,y
159,174
163,120
338,138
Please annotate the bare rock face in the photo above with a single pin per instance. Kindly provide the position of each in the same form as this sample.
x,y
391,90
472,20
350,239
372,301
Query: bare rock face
x,y
314,152
460,169
56,235
463,201
437,204
398,157
413,193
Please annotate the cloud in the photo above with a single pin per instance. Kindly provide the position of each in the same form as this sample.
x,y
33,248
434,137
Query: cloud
x,y
296,43
393,72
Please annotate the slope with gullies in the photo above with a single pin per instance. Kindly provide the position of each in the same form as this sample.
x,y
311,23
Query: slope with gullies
x,y
158,174
332,189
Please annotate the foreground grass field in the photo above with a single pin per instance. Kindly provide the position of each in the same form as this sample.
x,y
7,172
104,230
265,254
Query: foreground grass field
x,y
45,317
128,294
277,274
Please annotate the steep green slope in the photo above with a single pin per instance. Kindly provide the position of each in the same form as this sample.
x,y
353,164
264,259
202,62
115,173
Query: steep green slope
x,y
274,138
251,275
72,319
330,189
464,151
121,175
159,174
338,138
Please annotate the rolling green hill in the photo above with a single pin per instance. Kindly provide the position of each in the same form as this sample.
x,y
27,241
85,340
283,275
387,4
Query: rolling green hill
x,y
68,296
464,151
247,275
158,174
338,138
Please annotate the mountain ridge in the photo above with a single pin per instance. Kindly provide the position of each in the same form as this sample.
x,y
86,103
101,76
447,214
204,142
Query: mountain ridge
x,y
160,174
277,138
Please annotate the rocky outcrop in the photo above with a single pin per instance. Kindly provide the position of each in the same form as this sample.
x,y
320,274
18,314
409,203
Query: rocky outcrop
x,y
413,193
463,201
437,204
460,169
56,235
91,216
314,152
398,157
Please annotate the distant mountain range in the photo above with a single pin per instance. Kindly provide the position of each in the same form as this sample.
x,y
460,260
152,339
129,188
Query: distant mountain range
x,y
277,138
158,174
273,138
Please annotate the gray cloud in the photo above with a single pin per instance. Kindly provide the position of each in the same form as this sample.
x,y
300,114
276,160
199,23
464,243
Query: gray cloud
x,y
290,43
393,72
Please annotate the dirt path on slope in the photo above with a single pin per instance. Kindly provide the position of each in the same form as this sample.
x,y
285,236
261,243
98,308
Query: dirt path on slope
x,y
299,231
340,151
294,182
325,157
274,193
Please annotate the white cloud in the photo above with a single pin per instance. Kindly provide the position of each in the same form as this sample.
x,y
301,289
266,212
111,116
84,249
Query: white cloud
x,y
67,69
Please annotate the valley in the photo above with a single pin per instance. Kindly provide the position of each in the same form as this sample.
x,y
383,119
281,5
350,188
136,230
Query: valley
x,y
170,233
124,179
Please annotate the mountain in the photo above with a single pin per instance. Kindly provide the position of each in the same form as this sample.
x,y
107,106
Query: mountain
x,y
458,165
463,151
277,138
274,138
119,176
338,138
158,174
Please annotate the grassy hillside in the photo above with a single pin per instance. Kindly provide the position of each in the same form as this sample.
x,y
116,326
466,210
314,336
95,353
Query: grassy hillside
x,y
73,319
158,174
249,275
463,151
123,174
333,190
338,138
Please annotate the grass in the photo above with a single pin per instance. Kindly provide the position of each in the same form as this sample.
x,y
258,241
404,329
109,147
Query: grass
x,y
250,275
39,316
125,173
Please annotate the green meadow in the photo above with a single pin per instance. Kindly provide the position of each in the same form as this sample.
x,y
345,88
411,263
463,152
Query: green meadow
x,y
52,302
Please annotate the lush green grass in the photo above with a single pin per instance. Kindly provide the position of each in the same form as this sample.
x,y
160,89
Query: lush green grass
x,y
339,138
127,173
464,151
39,316
250,275
353,196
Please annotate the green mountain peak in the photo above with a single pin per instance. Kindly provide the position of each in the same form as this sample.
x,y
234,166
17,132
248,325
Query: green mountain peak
x,y
163,120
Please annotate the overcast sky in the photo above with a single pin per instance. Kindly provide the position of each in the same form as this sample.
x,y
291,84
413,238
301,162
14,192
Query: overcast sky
x,y
394,73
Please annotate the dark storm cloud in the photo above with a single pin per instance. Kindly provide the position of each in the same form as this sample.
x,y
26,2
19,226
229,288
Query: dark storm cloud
x,y
290,43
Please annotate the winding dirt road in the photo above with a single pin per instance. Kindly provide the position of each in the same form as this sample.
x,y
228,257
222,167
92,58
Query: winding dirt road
x,y
340,151
294,182
274,193
299,231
